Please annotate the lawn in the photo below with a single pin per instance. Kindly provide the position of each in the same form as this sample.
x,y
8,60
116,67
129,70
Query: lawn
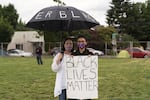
x,y
119,79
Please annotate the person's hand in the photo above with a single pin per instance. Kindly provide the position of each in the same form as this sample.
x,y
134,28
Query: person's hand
x,y
89,55
60,56
71,56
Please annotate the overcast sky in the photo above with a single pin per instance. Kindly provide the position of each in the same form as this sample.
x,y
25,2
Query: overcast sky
x,y
28,8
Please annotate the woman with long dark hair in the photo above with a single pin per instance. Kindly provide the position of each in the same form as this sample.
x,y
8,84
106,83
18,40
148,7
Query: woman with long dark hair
x,y
58,66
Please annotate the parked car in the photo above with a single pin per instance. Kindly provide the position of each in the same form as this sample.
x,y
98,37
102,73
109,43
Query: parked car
x,y
148,49
19,53
137,52
55,50
3,53
96,52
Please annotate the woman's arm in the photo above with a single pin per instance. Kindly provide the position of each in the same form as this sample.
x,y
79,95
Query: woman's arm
x,y
56,64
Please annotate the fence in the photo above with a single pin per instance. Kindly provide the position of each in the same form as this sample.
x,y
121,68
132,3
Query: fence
x,y
3,48
106,47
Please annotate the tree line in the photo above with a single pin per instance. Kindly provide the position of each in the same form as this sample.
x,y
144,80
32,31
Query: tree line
x,y
130,18
9,22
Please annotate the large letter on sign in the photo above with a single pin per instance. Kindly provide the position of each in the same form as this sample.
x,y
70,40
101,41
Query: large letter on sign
x,y
82,77
62,14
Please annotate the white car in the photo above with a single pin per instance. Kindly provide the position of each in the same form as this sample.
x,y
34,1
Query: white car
x,y
19,53
96,52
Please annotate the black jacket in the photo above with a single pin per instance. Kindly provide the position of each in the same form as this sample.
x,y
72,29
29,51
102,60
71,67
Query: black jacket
x,y
86,52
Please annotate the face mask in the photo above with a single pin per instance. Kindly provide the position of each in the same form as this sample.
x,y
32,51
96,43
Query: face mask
x,y
81,45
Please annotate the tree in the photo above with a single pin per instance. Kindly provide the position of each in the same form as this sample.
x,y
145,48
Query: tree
x,y
138,21
0,10
10,13
146,14
59,2
130,18
132,21
21,26
8,22
6,30
144,23
100,36
117,13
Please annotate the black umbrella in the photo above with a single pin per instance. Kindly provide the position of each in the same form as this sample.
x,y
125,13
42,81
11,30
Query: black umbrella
x,y
61,18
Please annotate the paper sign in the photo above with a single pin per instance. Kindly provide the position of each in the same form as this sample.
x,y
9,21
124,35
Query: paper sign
x,y
82,77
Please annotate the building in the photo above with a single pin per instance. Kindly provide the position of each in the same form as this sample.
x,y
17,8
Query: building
x,y
26,40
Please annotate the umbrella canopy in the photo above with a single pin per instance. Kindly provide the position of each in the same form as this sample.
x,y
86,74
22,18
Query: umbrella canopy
x,y
61,18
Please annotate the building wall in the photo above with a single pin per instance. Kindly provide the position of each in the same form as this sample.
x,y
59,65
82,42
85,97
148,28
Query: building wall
x,y
26,40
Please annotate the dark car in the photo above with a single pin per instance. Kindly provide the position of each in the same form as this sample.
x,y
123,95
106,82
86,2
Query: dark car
x,y
137,52
55,50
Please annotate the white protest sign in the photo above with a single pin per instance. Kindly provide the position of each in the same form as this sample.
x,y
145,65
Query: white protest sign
x,y
82,77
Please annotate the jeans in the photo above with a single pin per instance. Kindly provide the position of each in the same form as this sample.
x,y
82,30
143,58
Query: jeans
x,y
63,96
79,99
39,59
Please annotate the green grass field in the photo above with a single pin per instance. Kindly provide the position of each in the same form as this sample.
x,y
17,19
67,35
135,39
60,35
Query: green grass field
x,y
119,79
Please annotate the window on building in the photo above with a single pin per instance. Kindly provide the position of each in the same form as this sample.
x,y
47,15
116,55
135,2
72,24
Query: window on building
x,y
19,46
